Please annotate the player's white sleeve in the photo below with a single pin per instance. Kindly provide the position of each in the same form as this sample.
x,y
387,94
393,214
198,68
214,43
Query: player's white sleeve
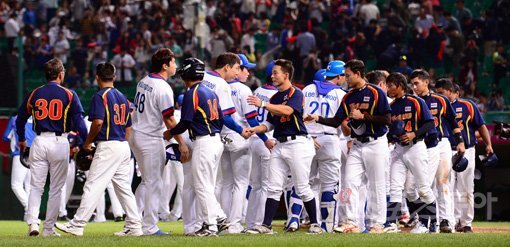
x,y
165,100
248,110
224,93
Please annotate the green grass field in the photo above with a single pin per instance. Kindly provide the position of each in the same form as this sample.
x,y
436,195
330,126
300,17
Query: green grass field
x,y
13,233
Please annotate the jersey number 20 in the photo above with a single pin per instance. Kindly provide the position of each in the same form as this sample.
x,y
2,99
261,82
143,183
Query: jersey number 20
x,y
324,108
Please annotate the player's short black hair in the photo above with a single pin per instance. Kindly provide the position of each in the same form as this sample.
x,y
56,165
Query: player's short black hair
x,y
397,79
162,56
52,68
105,71
456,88
227,58
286,66
444,83
356,66
420,73
375,76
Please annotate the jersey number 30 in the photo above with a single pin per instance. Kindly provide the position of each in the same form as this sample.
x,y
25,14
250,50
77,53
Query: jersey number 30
x,y
53,110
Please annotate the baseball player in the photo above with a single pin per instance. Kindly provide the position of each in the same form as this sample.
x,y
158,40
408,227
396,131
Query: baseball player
x,y
410,153
154,109
368,111
261,158
202,117
324,98
470,120
20,175
444,119
236,157
54,110
173,178
111,124
227,68
294,150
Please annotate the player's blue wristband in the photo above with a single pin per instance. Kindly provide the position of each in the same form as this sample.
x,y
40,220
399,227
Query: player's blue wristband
x,y
253,123
231,124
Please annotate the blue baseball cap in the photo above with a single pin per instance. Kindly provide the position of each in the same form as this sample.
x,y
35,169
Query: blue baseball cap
x,y
269,68
245,62
335,68
180,98
320,75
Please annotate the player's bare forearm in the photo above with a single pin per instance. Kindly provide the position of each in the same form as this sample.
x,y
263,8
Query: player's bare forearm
x,y
128,133
280,110
484,133
346,130
378,119
179,139
95,128
169,121
259,129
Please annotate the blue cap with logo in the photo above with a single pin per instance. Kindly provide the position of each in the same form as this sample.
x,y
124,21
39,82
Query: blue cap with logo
x,y
269,68
180,98
245,62
335,68
320,75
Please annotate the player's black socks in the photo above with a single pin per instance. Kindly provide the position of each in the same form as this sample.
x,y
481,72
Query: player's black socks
x,y
431,211
392,212
422,211
311,209
412,208
271,207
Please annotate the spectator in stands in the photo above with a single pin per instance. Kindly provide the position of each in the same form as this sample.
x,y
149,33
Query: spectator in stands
x,y
124,63
30,47
500,60
61,47
87,24
490,33
79,57
317,9
471,52
468,78
496,101
461,11
403,68
305,42
248,38
44,52
451,21
29,19
310,65
142,56
424,23
176,49
73,79
12,29
455,45
190,45
366,11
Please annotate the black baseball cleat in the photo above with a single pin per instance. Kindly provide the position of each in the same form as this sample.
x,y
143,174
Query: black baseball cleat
x,y
444,226
459,228
223,224
467,229
118,219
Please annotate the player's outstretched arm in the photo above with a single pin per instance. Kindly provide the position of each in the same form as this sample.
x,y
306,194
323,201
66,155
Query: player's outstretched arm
x,y
277,110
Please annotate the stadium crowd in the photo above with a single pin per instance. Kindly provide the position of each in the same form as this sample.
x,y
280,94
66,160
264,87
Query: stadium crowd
x,y
396,35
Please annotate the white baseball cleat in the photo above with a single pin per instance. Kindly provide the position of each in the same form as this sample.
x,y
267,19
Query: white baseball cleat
x,y
391,228
347,228
315,228
293,227
375,229
260,229
68,228
136,232
53,233
33,230
420,229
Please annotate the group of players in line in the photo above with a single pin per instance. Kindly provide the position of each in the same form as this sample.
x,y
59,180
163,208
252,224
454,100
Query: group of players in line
x,y
327,146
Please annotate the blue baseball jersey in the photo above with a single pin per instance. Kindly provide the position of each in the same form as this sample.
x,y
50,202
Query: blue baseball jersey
x,y
469,120
11,135
202,110
412,110
288,125
442,111
54,108
112,107
370,100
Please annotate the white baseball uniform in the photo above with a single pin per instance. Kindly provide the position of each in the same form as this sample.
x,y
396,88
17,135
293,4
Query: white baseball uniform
x,y
220,87
236,159
153,100
326,162
261,158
